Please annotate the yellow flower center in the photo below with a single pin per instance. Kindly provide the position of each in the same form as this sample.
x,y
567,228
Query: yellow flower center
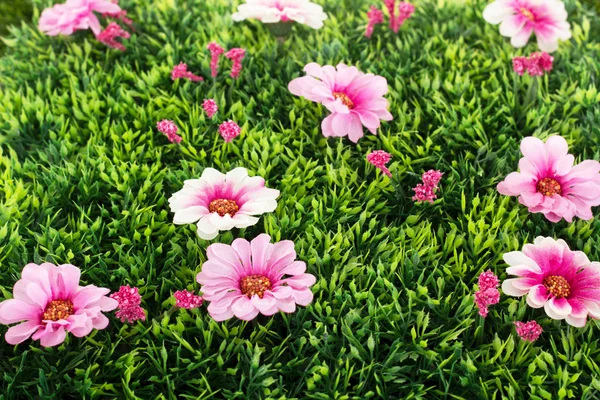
x,y
527,14
58,309
222,207
344,98
255,285
548,187
557,286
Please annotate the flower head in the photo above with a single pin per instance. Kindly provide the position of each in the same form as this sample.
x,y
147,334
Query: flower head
x,y
187,299
169,129
529,331
229,130
64,19
552,276
520,65
215,52
486,298
220,202
51,302
236,56
548,182
210,107
109,35
180,71
518,19
274,11
391,7
248,278
379,159
488,280
432,177
129,300
375,17
355,99
426,191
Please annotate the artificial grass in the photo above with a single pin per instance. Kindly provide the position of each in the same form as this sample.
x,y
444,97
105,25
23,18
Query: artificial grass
x,y
85,179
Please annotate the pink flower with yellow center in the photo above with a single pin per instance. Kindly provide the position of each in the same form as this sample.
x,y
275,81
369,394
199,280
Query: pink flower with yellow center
x,y
274,11
248,278
564,282
64,19
518,19
220,202
51,303
355,99
549,183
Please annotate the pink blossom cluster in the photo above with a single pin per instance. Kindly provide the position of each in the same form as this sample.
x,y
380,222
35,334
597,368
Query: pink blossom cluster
x,y
187,299
379,159
236,56
210,107
169,129
488,293
229,130
375,16
529,331
129,308
426,191
215,52
535,65
109,35
180,72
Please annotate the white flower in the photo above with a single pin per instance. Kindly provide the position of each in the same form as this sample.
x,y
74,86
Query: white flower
x,y
273,11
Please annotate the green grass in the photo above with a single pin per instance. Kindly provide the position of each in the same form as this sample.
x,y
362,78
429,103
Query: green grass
x,y
85,179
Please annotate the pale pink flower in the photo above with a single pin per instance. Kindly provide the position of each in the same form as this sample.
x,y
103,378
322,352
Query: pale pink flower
x,y
210,107
129,308
236,56
375,17
169,129
548,182
220,202
379,159
64,19
180,72
529,331
248,278
354,98
274,11
109,35
51,302
552,276
518,19
215,52
229,130
186,299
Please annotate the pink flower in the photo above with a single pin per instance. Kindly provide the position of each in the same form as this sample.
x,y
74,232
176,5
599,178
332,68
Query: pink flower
x,y
109,35
51,302
354,98
210,107
229,130
379,159
75,15
248,278
529,331
518,19
180,71
220,202
375,17
129,301
406,11
274,11
391,7
186,299
215,52
236,56
552,276
486,298
169,129
426,190
520,65
548,182
538,63
488,280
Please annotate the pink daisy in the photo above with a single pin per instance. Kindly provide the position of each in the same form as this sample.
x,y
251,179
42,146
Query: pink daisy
x,y
518,19
220,202
528,331
64,19
274,11
548,182
354,98
51,302
248,278
552,276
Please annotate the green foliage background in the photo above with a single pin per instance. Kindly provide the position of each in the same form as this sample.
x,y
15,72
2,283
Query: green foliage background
x,y
85,179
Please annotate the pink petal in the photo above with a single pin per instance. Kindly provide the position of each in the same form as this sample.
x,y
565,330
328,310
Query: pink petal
x,y
537,296
20,333
13,310
261,251
68,280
